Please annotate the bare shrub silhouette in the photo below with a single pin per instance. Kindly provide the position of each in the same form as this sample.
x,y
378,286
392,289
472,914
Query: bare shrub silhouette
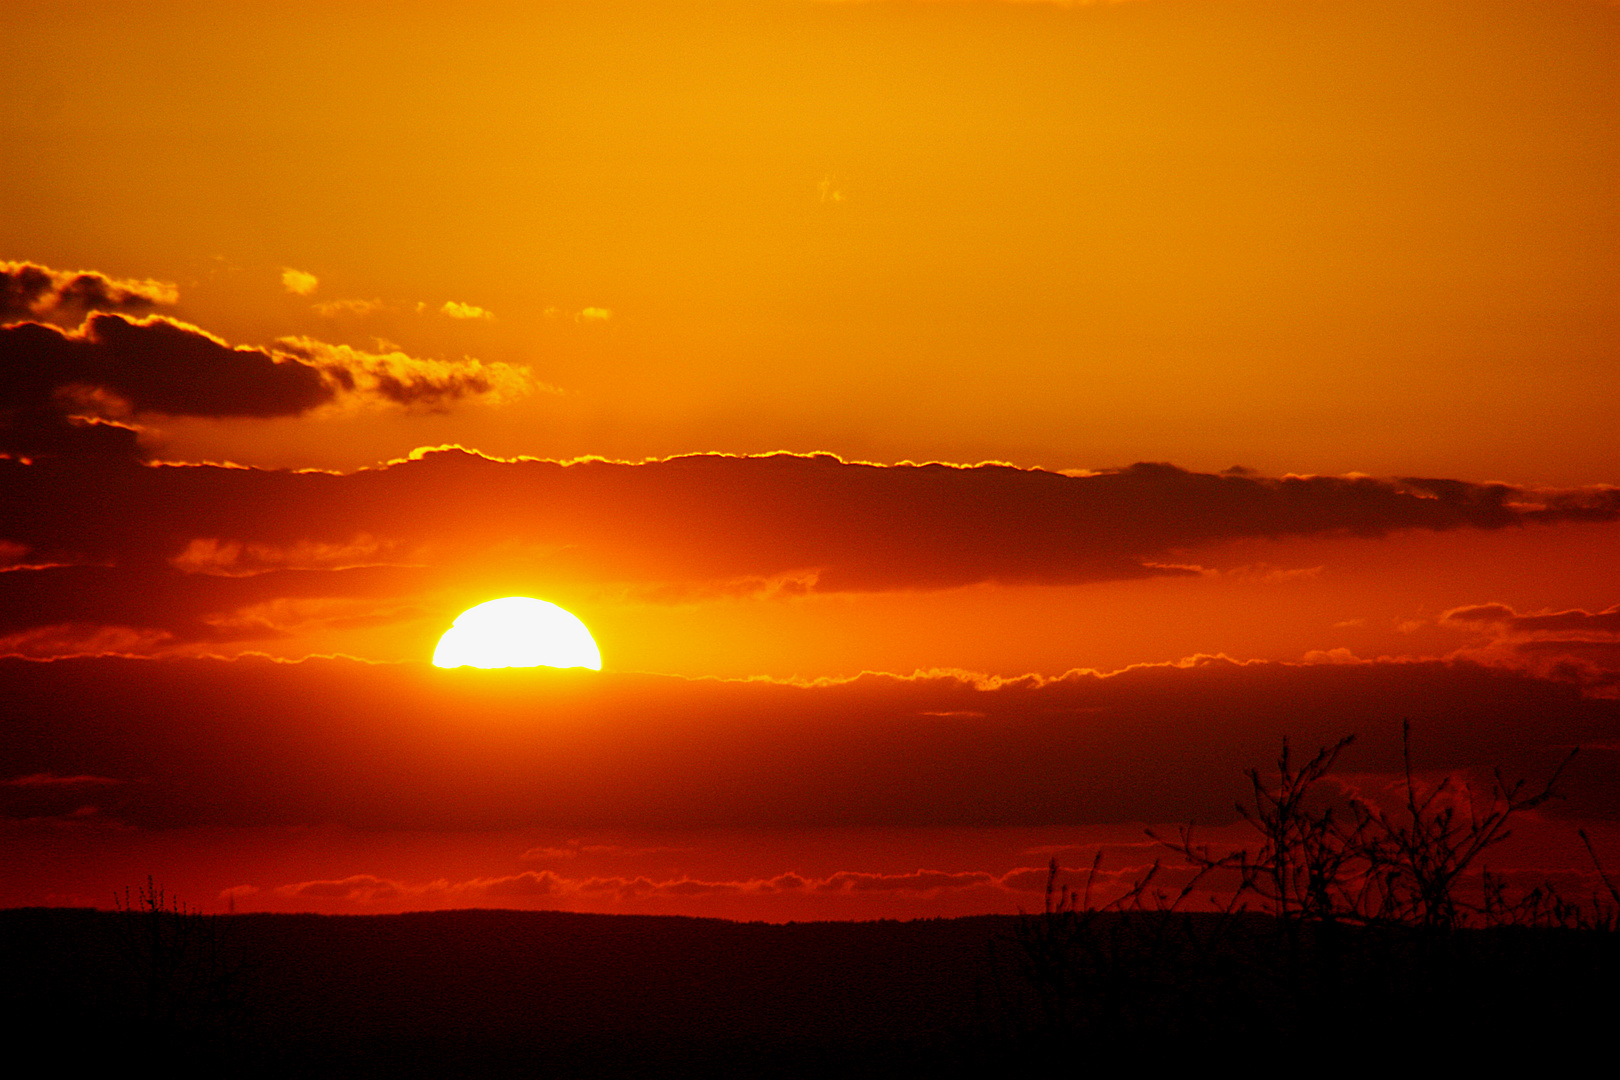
x,y
1418,864
1337,909
1371,866
1306,867
1605,911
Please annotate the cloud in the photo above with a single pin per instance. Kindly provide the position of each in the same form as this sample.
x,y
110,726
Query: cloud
x,y
456,310
298,282
52,780
771,895
87,610
1576,645
31,291
1274,575
51,796
843,881
207,556
204,553
919,881
364,888
159,365
819,522
369,890
51,640
516,886
576,849
331,309
405,746
1603,624
79,393
393,376
56,384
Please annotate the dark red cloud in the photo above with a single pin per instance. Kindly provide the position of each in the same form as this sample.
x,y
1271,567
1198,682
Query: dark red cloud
x,y
213,742
919,881
50,780
174,606
157,365
30,291
370,890
1575,645
1573,622
165,547
528,886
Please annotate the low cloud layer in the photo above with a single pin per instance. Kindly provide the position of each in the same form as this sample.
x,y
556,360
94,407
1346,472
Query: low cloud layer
x,y
528,888
1599,625
258,743
1576,645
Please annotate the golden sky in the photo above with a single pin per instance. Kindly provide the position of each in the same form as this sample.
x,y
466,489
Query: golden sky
x,y
963,344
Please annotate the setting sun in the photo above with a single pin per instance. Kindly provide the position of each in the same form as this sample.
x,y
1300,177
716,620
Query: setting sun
x,y
975,432
517,631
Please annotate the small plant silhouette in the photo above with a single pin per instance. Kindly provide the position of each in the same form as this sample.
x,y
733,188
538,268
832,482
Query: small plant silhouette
x,y
188,983
1115,967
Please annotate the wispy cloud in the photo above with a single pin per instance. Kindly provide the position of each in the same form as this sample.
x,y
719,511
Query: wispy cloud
x,y
331,309
1604,624
52,780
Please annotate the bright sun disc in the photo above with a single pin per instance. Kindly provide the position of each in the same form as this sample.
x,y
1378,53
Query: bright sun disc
x,y
517,631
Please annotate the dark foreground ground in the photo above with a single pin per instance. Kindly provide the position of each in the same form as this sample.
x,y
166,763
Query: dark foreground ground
x,y
561,995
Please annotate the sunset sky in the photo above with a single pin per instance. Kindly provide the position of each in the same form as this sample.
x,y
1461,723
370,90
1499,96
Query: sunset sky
x,y
972,431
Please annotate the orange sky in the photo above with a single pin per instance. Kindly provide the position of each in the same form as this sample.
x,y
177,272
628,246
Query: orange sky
x,y
682,291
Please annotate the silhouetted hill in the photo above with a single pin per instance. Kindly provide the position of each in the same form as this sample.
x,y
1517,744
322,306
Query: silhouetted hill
x,y
547,993
569,995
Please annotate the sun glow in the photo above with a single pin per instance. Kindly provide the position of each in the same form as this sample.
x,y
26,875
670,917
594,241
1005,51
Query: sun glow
x,y
517,631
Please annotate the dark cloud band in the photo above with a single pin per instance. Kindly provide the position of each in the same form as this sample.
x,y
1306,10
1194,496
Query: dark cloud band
x,y
252,742
709,520
178,553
